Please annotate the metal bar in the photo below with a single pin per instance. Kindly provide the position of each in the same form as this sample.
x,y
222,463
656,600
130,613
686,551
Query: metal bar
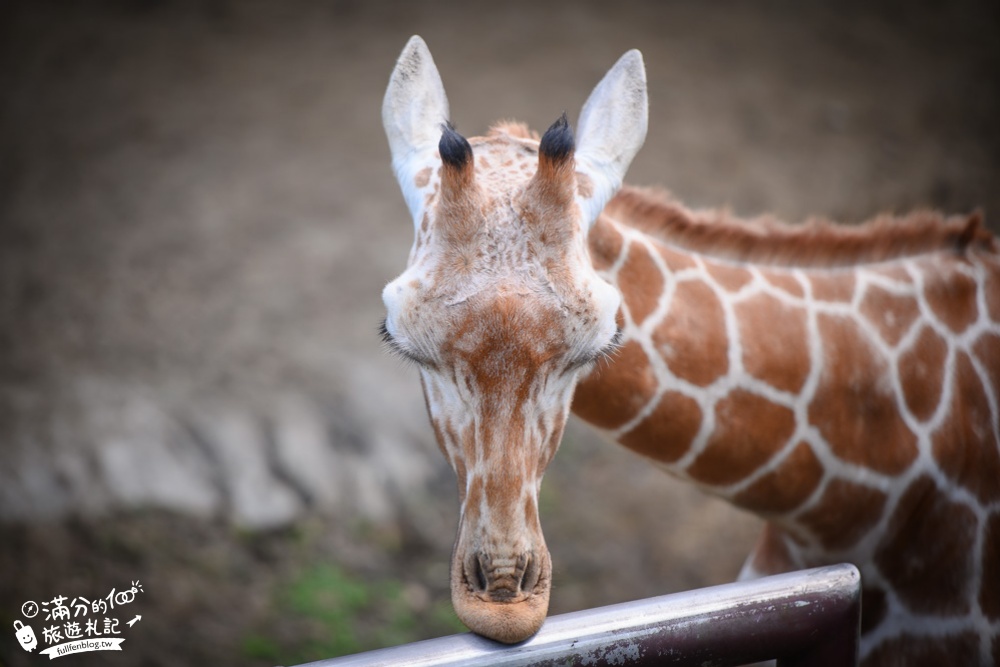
x,y
812,617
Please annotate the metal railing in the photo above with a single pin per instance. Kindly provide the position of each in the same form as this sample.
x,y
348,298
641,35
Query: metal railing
x,y
802,618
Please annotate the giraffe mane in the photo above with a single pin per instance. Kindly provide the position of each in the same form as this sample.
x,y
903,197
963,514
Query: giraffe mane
x,y
815,243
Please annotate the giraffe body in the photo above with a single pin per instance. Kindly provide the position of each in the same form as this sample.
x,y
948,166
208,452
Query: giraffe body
x,y
849,400
842,383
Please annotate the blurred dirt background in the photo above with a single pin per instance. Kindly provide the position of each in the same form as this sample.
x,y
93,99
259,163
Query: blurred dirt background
x,y
197,217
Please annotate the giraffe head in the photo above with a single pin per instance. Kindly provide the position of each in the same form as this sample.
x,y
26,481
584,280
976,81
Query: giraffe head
x,y
502,311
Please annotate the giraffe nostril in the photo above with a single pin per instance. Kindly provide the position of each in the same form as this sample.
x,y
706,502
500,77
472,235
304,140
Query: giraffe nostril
x,y
475,573
532,572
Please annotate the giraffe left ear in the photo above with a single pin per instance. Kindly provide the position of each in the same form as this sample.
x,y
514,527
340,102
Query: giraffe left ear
x,y
611,131
414,110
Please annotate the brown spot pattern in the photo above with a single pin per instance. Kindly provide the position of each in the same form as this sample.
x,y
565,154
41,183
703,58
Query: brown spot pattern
x,y
787,486
921,373
835,286
606,244
873,608
641,282
989,592
785,281
770,555
749,430
666,434
914,651
853,407
895,272
674,260
730,277
952,297
891,314
845,513
991,289
612,395
965,446
423,177
692,337
775,342
926,552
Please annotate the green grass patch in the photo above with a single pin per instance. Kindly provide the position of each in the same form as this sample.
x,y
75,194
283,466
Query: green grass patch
x,y
339,613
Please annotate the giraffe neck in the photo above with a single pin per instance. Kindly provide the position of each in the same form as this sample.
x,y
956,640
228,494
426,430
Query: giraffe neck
x,y
853,405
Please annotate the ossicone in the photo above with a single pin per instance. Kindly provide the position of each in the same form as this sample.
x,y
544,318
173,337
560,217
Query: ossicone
x,y
558,143
458,165
555,181
455,150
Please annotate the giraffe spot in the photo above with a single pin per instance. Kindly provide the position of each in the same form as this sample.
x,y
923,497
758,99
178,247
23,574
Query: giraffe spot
x,y
692,337
584,186
854,408
921,373
474,496
749,430
926,552
729,277
952,297
775,342
873,608
989,589
612,395
666,434
895,272
531,512
784,281
837,286
606,244
922,651
987,351
845,513
965,445
641,282
890,314
675,261
423,177
770,554
991,290
787,486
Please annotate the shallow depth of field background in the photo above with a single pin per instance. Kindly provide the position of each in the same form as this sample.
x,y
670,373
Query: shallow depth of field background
x,y
197,216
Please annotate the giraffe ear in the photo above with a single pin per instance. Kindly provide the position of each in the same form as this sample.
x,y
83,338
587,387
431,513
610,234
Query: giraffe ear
x,y
611,130
414,109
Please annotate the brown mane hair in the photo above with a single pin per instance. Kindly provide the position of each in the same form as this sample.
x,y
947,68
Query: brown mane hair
x,y
814,243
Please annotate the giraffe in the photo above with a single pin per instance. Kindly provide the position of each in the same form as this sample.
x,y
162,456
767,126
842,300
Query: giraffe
x,y
843,383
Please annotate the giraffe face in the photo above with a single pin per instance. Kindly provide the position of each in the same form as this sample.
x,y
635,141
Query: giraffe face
x,y
502,311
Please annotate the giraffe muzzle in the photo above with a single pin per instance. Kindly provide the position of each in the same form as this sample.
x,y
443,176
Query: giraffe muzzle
x,y
502,579
504,598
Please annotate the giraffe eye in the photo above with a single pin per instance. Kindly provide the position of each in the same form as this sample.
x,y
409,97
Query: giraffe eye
x,y
605,353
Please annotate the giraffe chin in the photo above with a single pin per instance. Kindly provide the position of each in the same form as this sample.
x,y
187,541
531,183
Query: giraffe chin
x,y
510,619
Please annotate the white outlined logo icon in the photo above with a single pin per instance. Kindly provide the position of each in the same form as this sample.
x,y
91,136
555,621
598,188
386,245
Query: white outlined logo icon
x,y
25,636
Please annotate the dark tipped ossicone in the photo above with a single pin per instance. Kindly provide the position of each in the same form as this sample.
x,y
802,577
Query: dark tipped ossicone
x,y
454,148
557,143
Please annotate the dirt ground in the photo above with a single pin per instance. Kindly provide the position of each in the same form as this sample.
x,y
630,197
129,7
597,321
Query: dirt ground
x,y
196,207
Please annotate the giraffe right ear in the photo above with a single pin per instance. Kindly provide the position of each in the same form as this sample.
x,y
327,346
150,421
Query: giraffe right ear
x,y
611,131
414,110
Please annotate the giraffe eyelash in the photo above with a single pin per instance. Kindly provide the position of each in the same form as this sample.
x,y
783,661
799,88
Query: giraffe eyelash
x,y
605,355
394,348
608,352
